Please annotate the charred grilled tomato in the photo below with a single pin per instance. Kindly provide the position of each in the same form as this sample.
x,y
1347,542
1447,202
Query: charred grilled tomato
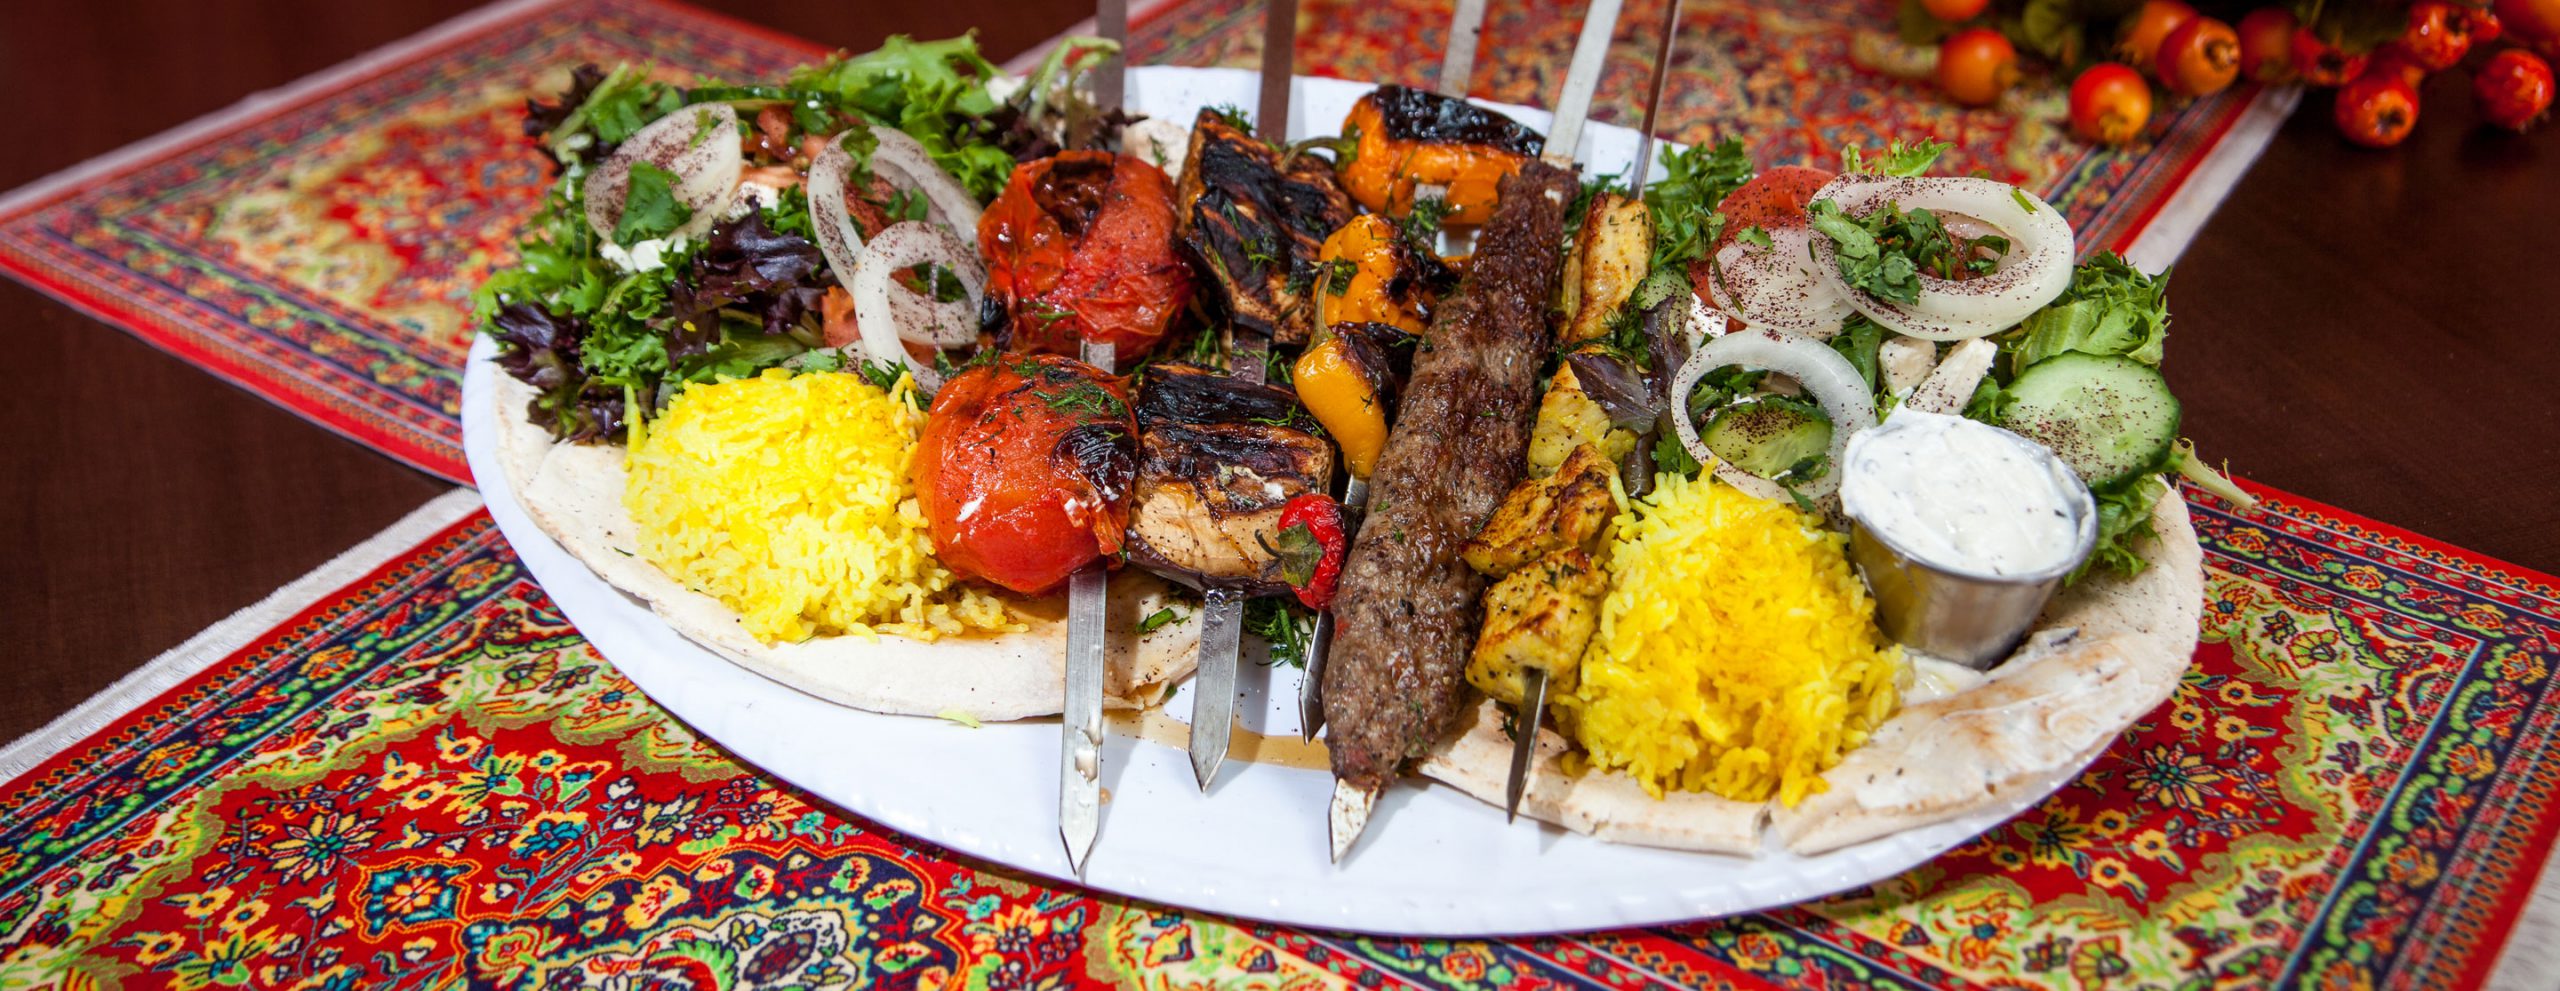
x,y
1082,248
1400,138
1024,469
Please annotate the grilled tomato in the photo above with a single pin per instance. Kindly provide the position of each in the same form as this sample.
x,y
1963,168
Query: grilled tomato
x,y
1024,469
1402,137
1082,248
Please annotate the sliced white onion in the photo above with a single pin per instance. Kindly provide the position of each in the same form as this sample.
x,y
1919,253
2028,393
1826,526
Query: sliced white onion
x,y
2036,269
888,313
838,238
1777,287
1821,371
1947,389
902,162
698,144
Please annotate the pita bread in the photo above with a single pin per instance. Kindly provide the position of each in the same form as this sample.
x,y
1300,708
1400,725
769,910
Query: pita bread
x,y
574,493
2104,653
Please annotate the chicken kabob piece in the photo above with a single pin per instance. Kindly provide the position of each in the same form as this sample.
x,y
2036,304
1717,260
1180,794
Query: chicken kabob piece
x,y
1254,222
1408,604
1544,604
1379,273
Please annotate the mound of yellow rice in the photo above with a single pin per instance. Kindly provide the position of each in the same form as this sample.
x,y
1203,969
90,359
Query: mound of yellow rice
x,y
1736,654
786,497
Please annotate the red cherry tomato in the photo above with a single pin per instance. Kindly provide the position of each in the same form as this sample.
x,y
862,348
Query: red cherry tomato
x,y
2377,109
2200,58
1955,11
2438,35
2320,63
2266,45
2485,26
2139,38
2110,103
1023,470
2513,89
2397,61
2530,20
1976,65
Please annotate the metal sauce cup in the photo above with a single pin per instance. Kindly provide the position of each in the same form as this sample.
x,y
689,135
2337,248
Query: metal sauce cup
x,y
1963,616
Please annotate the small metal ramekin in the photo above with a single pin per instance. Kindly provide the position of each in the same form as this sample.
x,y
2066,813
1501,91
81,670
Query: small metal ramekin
x,y
1965,617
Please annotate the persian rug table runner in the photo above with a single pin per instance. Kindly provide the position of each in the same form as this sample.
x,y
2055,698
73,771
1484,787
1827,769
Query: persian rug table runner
x,y
317,246
408,771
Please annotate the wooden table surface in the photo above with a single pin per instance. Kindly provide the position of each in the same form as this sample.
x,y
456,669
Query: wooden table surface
x,y
2366,329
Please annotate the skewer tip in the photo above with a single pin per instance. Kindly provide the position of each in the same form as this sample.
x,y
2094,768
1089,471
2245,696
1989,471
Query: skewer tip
x,y
1348,816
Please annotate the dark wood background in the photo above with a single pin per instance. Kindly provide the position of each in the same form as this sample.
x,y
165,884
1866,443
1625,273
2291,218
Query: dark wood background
x,y
2367,329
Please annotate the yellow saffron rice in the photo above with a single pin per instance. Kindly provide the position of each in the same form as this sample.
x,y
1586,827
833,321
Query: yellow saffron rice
x,y
1737,653
786,497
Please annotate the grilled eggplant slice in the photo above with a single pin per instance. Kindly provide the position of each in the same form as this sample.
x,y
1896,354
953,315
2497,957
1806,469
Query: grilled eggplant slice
x,y
1255,225
1217,460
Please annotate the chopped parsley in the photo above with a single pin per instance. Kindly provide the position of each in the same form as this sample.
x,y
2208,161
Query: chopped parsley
x,y
1885,252
1280,623
1338,274
650,208
1421,226
1156,620
1084,396
1899,159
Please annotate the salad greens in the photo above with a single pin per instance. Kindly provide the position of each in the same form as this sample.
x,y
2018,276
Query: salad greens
x,y
608,328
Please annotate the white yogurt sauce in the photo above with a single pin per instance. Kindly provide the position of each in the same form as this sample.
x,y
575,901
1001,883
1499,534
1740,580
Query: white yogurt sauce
x,y
1962,495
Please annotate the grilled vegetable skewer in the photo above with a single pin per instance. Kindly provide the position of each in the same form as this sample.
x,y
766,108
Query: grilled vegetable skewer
x,y
1256,223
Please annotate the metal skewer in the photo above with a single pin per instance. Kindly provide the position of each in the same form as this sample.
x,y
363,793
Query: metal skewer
x,y
1349,814
1089,590
1213,686
1457,66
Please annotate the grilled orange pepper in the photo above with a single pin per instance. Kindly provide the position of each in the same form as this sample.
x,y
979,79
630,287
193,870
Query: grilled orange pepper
x,y
1343,397
1408,137
1371,292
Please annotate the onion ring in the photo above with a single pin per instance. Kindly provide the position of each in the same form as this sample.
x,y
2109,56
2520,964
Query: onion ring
x,y
838,238
889,314
698,144
901,161
1776,286
1821,371
2036,268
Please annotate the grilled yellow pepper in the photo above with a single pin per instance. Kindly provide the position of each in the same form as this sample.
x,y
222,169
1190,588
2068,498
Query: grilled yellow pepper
x,y
1343,396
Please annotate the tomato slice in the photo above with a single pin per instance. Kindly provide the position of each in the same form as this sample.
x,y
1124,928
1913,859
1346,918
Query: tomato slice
x,y
1773,199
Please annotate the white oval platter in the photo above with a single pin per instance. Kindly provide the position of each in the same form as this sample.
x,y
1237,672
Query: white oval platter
x,y
1434,862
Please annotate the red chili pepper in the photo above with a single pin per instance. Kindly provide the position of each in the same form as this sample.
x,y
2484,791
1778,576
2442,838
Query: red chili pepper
x,y
1310,547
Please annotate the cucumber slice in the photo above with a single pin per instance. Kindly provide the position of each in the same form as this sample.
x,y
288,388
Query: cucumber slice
x,y
1771,436
2112,418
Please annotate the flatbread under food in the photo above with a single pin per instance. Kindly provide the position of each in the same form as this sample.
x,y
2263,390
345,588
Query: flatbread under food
x,y
2104,653
574,493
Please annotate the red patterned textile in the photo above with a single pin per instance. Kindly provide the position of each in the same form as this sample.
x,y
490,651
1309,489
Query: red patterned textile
x,y
427,779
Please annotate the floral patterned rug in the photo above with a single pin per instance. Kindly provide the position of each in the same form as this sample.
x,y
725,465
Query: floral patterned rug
x,y
413,773
318,247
